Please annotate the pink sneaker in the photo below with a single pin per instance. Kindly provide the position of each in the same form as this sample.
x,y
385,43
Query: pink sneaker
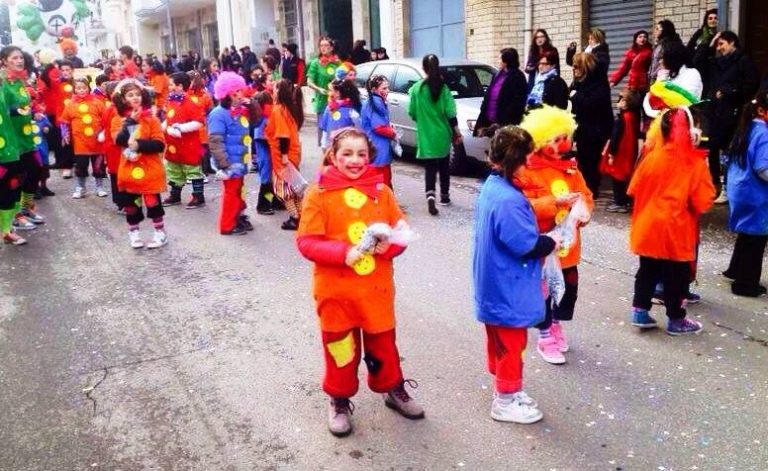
x,y
549,349
557,332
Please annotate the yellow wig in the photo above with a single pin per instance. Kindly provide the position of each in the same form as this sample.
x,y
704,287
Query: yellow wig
x,y
546,123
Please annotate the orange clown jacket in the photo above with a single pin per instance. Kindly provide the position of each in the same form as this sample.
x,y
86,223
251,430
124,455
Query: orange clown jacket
x,y
84,117
332,221
542,184
145,176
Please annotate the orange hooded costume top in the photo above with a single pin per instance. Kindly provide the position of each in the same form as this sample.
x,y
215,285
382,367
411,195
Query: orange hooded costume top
x,y
671,188
146,175
84,117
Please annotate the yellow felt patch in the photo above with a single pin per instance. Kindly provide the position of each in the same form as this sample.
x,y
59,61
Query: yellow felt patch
x,y
355,232
330,71
563,252
560,188
87,119
561,215
2,142
1,119
365,265
83,108
37,140
342,351
195,100
247,140
68,88
88,132
247,158
244,121
171,113
172,149
354,198
336,115
137,173
27,130
67,101
35,128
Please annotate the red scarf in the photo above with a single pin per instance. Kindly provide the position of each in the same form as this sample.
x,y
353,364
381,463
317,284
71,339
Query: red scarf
x,y
536,161
17,75
325,60
336,104
369,182
145,113
240,110
81,99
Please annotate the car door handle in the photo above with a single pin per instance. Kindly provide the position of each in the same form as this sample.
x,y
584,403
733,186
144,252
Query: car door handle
x,y
394,102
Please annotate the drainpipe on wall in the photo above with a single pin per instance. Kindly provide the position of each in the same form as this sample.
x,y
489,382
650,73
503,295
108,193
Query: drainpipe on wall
x,y
231,24
528,28
722,15
300,12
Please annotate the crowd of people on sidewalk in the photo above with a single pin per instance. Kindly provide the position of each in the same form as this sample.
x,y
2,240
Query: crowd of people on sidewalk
x,y
153,127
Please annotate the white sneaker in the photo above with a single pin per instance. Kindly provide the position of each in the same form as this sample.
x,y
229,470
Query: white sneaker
x,y
78,193
522,397
135,238
158,240
509,408
66,173
101,193
723,198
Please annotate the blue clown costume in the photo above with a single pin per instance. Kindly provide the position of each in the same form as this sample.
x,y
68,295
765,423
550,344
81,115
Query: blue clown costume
x,y
374,120
338,114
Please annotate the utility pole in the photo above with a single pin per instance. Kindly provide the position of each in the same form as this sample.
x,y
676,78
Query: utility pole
x,y
171,37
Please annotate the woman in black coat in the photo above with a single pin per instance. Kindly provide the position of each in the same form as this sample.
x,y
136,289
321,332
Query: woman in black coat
x,y
548,87
540,45
504,101
591,99
597,46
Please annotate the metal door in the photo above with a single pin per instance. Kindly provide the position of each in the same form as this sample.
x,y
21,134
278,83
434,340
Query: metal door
x,y
437,27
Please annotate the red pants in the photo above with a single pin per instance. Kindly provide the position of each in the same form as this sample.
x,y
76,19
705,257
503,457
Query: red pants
x,y
342,356
232,203
506,346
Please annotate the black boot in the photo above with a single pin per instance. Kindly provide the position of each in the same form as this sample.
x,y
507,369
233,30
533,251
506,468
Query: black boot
x,y
266,198
174,197
198,197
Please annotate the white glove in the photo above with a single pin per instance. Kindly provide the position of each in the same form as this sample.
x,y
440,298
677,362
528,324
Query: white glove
x,y
173,132
222,175
100,137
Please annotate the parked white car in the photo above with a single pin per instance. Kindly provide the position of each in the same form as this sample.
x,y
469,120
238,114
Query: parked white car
x,y
468,82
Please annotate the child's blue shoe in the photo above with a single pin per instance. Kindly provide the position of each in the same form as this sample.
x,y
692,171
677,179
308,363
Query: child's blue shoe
x,y
683,326
642,318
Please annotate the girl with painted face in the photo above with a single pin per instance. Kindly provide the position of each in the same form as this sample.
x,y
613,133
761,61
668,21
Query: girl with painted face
x,y
20,109
347,230
81,124
141,174
552,182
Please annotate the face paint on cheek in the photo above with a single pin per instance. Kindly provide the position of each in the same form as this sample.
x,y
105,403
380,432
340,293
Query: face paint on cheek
x,y
564,146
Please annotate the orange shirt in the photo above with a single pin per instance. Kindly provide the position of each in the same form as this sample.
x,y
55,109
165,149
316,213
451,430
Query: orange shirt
x,y
203,100
161,83
541,186
671,187
84,117
282,125
145,176
362,296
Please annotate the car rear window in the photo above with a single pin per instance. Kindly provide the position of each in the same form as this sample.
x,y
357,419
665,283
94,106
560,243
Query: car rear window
x,y
467,81
363,73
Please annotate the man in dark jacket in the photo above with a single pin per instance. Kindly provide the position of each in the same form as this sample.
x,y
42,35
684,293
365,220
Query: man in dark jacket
x,y
732,79
273,52
249,59
504,102
360,54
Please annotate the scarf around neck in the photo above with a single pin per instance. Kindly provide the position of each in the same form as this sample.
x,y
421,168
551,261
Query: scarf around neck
x,y
368,183
536,162
537,91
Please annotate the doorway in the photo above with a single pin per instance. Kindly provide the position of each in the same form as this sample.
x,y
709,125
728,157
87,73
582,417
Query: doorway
x,y
336,22
755,35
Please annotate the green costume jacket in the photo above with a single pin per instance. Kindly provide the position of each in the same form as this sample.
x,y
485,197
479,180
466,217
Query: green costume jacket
x,y
321,75
9,151
433,132
19,106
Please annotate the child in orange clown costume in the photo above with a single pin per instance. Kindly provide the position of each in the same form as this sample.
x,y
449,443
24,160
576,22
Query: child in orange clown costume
x,y
353,285
81,124
553,183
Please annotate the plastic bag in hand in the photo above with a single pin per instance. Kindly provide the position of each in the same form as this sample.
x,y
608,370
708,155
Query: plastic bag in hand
x,y
375,233
397,147
566,230
295,180
402,234
552,274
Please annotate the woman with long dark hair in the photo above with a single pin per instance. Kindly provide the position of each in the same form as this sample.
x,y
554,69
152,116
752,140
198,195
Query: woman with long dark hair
x,y
540,44
209,68
665,34
748,197
433,109
637,61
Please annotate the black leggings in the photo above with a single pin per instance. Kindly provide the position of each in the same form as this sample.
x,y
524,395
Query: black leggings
x,y
97,164
675,277
32,167
134,213
564,310
746,265
10,184
620,192
432,168
588,158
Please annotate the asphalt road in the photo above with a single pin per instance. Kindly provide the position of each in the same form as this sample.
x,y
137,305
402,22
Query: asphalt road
x,y
205,355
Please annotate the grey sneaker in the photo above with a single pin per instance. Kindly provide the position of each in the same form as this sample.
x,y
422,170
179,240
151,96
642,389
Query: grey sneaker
x,y
510,408
340,417
399,400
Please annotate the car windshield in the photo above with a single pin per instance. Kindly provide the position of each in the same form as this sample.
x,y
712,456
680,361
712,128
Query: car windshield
x,y
467,81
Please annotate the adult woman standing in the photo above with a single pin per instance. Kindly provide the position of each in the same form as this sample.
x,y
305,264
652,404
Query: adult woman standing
x,y
321,71
209,69
597,46
665,34
540,44
591,99
548,87
701,39
636,63
433,109
748,197
504,102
